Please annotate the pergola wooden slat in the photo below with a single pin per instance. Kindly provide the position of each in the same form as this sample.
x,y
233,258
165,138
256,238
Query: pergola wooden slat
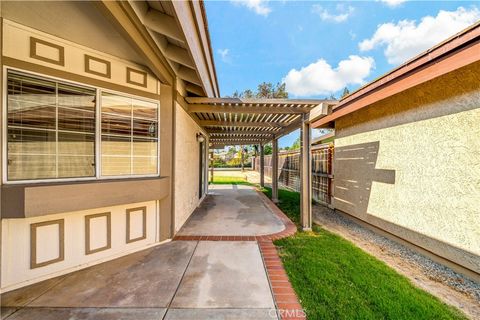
x,y
236,121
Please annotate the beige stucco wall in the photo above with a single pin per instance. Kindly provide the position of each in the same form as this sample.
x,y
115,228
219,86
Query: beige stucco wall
x,y
411,165
186,166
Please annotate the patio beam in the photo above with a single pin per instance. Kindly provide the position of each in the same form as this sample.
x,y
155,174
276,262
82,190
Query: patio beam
x,y
320,111
287,129
237,131
306,176
310,103
245,109
217,123
275,170
235,143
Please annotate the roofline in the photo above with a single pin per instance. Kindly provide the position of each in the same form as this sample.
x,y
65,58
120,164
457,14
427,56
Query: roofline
x,y
323,137
458,50
191,18
205,23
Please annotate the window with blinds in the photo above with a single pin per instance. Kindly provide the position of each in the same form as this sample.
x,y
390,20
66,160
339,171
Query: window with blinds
x,y
51,131
129,136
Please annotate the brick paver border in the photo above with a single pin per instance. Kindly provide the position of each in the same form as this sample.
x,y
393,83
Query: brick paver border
x,y
285,298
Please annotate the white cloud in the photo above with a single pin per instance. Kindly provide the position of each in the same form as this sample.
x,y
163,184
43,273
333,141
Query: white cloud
x,y
258,6
224,54
405,39
342,13
320,78
393,3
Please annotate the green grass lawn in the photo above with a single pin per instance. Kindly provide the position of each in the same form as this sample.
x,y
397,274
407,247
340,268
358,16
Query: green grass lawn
x,y
230,180
334,279
289,203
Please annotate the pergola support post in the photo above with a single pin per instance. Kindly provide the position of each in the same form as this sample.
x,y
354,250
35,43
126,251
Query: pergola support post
x,y
242,157
275,170
262,166
211,165
306,176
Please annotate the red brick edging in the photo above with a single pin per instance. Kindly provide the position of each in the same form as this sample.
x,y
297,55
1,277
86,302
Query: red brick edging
x,y
286,300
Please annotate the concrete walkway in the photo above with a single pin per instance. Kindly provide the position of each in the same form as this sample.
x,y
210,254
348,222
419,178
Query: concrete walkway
x,y
233,210
176,280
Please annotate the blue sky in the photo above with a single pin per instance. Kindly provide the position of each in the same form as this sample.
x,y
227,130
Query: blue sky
x,y
318,48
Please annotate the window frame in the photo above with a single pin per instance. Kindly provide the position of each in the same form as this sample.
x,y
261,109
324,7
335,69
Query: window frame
x,y
98,130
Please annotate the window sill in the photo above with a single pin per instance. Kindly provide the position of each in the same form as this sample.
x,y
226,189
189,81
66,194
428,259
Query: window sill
x,y
39,199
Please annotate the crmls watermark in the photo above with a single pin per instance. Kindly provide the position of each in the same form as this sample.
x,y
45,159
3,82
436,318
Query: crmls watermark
x,y
287,313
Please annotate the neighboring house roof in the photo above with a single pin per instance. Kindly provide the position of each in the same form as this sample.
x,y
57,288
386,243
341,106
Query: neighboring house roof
x,y
324,137
458,51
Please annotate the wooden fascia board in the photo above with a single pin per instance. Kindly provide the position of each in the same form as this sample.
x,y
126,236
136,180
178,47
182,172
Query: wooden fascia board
x,y
187,21
435,69
201,22
130,26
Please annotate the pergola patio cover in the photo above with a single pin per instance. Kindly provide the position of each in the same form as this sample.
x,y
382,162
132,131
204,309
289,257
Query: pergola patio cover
x,y
237,121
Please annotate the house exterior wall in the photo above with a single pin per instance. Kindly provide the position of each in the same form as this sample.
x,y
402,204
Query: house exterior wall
x,y
187,170
55,227
108,239
410,165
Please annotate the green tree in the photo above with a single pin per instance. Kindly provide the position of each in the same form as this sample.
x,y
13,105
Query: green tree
x,y
346,92
265,90
296,144
267,149
247,94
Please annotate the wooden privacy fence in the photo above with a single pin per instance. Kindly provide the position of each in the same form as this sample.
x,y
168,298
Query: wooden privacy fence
x,y
289,171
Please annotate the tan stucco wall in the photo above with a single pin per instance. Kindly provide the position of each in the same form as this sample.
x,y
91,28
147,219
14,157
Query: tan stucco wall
x,y
410,164
186,166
